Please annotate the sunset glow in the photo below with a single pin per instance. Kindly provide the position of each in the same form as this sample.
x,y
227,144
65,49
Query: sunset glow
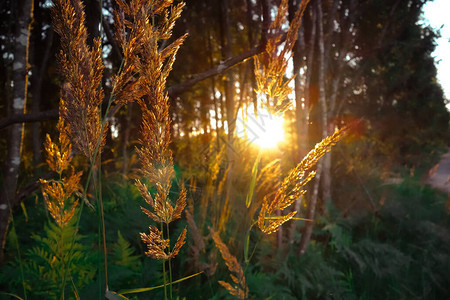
x,y
264,129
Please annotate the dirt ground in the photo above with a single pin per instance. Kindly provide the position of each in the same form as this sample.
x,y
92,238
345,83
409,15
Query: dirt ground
x,y
439,176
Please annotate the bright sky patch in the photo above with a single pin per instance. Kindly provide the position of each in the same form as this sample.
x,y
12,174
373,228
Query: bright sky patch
x,y
264,129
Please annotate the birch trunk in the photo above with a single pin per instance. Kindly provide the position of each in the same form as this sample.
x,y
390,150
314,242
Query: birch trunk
x,y
20,80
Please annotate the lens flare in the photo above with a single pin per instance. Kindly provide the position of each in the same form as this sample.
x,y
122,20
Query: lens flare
x,y
264,129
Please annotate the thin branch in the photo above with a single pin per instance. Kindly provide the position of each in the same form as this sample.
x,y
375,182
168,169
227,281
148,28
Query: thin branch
x,y
30,117
31,188
222,67
173,90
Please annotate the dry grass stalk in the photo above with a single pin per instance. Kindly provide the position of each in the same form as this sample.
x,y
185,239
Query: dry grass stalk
x,y
145,71
292,186
270,69
224,215
239,287
157,246
138,37
58,193
269,178
164,212
212,192
82,70
271,65
199,245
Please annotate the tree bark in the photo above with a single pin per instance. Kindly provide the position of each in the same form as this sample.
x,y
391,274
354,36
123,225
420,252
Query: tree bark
x,y
20,79
251,41
302,93
213,90
326,181
228,86
300,109
93,19
301,125
39,68
21,117
340,60
323,106
126,139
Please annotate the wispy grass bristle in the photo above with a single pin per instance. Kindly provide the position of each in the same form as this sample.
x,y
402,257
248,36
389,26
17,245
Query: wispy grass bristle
x,y
292,187
58,194
272,64
239,288
81,67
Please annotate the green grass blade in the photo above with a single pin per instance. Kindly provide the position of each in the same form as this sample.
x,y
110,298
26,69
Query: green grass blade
x,y
110,295
251,189
246,245
294,218
141,290
12,295
24,209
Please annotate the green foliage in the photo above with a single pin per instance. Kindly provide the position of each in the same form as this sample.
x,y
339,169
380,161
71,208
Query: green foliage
x,y
45,263
381,241
400,251
124,268
265,285
401,91
313,275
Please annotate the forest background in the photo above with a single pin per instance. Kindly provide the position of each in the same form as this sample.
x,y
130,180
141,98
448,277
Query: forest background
x,y
368,227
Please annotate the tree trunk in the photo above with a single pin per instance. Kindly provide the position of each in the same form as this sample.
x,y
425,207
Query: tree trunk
x,y
20,79
93,19
40,66
213,91
251,43
302,93
126,139
228,85
300,117
343,46
306,236
323,106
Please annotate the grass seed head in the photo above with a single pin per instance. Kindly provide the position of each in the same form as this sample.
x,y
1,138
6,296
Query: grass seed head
x,y
239,288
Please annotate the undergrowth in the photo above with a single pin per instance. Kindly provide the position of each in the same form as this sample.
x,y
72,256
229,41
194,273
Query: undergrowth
x,y
85,242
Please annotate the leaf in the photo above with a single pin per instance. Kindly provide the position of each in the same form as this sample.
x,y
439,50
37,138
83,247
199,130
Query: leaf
x,y
251,190
282,217
141,290
246,245
24,211
75,290
123,253
110,295
12,295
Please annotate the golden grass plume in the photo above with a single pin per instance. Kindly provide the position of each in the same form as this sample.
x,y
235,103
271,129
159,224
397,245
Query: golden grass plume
x,y
58,193
292,186
82,70
140,25
239,287
156,245
271,66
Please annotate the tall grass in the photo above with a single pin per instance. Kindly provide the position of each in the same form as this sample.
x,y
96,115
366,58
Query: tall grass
x,y
140,28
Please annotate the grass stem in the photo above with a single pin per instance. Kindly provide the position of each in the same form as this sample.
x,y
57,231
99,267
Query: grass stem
x,y
97,146
170,264
164,267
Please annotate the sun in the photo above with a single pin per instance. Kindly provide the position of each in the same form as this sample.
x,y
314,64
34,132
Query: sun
x,y
264,129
